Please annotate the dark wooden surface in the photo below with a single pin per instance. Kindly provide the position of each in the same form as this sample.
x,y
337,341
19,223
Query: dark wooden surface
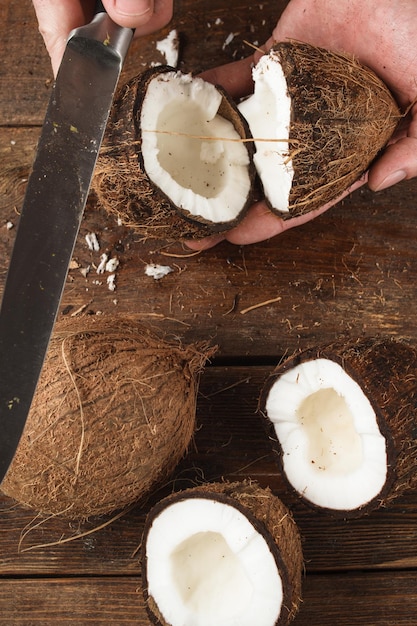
x,y
350,273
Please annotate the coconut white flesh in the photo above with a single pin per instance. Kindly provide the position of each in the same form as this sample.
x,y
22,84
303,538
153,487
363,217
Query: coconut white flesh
x,y
205,176
268,113
208,566
332,449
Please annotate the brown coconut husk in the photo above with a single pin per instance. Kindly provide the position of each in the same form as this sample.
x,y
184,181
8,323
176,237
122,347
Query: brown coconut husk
x,y
113,414
342,116
269,516
386,371
120,182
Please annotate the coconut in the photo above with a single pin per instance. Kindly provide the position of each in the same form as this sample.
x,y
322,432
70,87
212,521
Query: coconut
x,y
178,156
342,420
172,163
222,554
327,117
113,414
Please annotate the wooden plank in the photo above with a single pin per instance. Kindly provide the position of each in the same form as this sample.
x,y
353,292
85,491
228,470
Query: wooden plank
x,y
204,29
70,601
230,443
361,599
352,272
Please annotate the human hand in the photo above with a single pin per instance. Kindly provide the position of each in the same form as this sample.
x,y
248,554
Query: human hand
x,y
381,35
57,19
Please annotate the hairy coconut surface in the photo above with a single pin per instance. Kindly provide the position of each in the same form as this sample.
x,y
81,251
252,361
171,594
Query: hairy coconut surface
x,y
220,554
167,170
119,182
341,116
113,414
342,417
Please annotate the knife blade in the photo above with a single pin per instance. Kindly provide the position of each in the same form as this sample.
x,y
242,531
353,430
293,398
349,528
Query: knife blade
x,y
51,214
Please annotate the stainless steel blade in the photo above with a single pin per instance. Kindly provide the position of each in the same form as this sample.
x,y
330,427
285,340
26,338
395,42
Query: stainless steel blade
x,y
52,210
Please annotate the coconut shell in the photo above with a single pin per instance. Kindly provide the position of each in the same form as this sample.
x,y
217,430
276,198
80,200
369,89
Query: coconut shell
x,y
269,516
121,184
342,116
386,371
113,414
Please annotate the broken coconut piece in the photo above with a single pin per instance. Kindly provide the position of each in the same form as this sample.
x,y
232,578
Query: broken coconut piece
x,y
178,157
222,554
191,151
342,419
318,119
105,428
174,150
122,187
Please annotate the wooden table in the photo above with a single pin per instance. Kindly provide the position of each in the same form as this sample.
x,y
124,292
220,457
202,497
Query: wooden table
x,y
348,274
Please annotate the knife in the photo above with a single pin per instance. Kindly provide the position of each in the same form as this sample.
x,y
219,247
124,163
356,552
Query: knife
x,y
52,210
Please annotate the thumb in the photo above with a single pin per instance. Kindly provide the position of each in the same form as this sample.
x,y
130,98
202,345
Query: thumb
x,y
145,16
130,13
399,160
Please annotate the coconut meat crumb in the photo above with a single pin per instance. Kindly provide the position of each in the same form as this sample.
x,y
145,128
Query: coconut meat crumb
x,y
268,113
101,268
157,271
111,282
190,152
92,242
169,47
207,564
332,449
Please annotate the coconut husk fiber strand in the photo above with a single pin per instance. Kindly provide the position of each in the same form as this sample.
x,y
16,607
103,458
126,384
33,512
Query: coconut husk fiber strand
x,y
113,414
342,116
120,182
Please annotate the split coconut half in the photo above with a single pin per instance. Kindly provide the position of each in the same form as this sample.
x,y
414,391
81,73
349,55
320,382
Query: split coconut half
x,y
174,161
179,147
105,427
342,418
222,554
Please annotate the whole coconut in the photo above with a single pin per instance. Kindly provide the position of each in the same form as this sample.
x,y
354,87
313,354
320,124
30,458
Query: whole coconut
x,y
113,414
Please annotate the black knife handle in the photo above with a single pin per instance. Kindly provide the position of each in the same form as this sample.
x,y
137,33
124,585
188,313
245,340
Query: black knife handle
x,y
99,8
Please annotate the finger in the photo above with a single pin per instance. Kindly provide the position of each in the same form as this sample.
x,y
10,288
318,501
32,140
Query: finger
x,y
146,16
399,160
205,243
235,78
56,20
261,224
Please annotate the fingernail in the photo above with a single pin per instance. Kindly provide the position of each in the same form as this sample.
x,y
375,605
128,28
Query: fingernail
x,y
133,8
391,179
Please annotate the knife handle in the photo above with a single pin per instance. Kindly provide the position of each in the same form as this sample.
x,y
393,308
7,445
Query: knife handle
x,y
116,39
99,8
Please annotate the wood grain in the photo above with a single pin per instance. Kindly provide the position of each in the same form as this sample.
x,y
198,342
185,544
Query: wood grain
x,y
350,273
342,599
230,443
